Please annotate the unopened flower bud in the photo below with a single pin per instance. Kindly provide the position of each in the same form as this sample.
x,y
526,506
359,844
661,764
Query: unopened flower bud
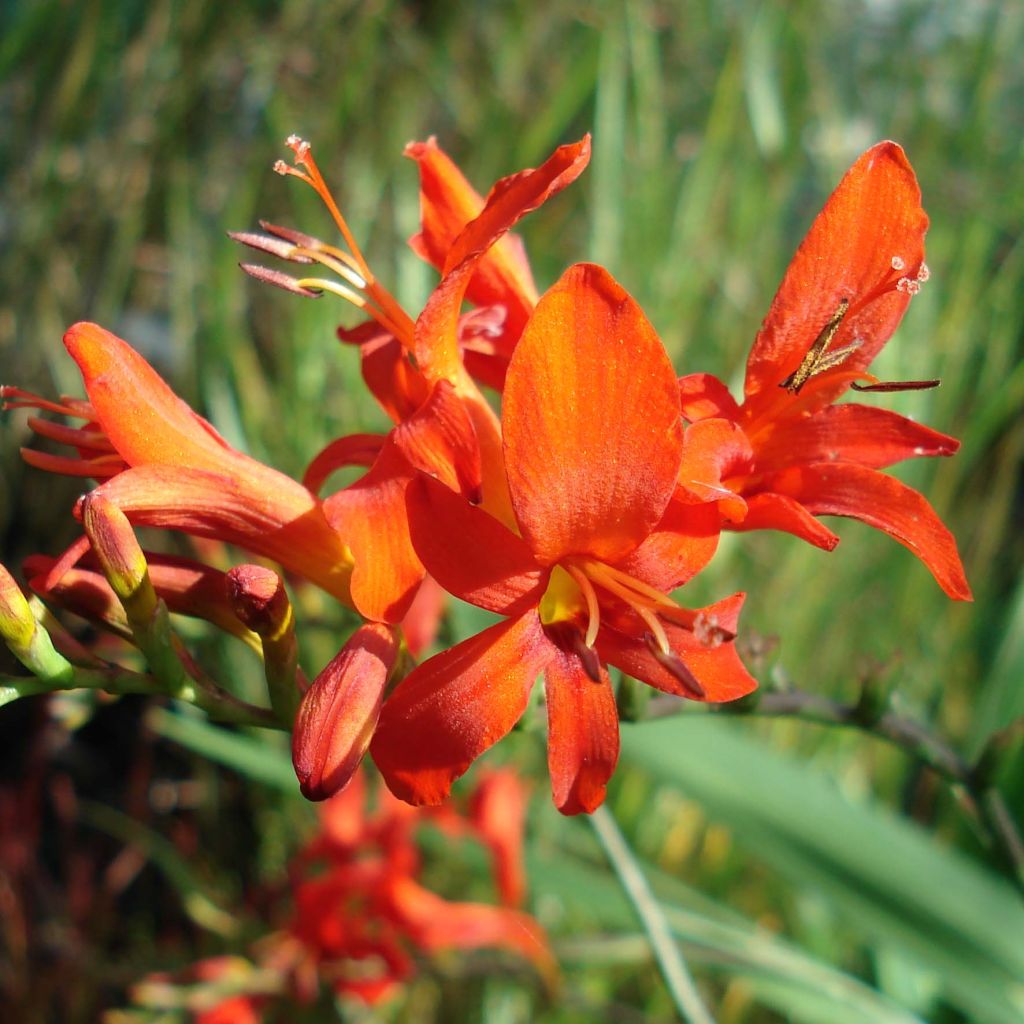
x,y
260,601
120,556
339,713
17,623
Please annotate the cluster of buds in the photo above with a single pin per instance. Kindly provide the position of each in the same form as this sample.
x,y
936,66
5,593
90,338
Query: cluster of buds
x,y
356,915
573,516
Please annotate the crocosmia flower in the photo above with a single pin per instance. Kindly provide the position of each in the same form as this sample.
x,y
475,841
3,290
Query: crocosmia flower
x,y
787,453
593,447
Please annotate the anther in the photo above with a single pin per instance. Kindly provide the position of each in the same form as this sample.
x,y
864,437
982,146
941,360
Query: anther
x,y
674,665
817,360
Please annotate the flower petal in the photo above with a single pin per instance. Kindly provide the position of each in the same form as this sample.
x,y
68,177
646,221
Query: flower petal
x,y
339,712
845,489
282,521
677,548
714,450
583,734
455,706
370,515
849,432
469,552
435,923
447,204
703,396
440,439
143,418
768,511
351,450
717,668
873,218
437,351
498,812
593,438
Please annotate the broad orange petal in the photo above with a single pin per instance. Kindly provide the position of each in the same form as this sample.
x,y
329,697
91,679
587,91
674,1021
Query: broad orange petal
x,y
865,434
593,438
583,734
872,217
845,489
469,552
714,450
370,514
717,668
456,705
437,351
677,548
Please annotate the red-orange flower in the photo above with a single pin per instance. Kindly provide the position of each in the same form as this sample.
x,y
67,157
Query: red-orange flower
x,y
787,453
165,466
593,445
443,424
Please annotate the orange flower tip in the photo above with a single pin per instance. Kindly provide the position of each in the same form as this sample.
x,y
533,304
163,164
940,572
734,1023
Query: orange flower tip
x,y
279,280
17,623
258,598
114,541
673,664
268,244
338,714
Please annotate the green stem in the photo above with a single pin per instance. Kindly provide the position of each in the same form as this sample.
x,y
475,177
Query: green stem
x,y
666,951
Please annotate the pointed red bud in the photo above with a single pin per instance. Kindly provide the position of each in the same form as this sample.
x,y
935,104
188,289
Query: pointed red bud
x,y
339,712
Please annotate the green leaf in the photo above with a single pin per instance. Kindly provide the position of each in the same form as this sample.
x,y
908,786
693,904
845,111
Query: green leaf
x,y
887,876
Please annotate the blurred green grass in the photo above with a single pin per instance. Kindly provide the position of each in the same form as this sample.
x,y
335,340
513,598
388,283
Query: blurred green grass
x,y
137,133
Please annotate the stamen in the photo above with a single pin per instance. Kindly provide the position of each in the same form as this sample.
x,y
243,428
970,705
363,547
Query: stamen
x,y
394,318
897,385
75,407
593,609
75,436
812,362
278,279
673,664
657,630
99,468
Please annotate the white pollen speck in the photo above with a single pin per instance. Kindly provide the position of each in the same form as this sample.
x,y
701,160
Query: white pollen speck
x,y
908,285
923,273
897,263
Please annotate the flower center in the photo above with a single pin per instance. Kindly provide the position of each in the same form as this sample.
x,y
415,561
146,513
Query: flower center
x,y
578,588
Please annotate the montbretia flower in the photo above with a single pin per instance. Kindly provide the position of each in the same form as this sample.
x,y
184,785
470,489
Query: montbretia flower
x,y
788,453
165,466
593,446
443,425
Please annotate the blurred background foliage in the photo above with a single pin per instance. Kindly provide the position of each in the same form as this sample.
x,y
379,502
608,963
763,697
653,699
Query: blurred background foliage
x,y
811,874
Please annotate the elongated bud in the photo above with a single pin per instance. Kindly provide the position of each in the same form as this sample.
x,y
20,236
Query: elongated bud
x,y
259,599
339,713
121,558
27,640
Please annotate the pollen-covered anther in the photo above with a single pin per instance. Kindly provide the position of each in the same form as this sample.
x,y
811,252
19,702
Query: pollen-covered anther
x,y
279,280
674,665
897,263
299,146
